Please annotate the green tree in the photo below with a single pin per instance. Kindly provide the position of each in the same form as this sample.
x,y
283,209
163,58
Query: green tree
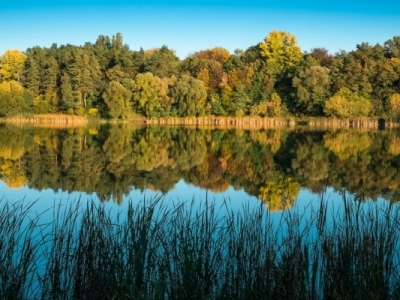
x,y
13,98
32,76
240,102
161,62
84,73
145,91
312,86
117,99
190,96
69,100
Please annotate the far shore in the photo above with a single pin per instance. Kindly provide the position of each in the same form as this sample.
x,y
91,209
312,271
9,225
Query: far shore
x,y
229,122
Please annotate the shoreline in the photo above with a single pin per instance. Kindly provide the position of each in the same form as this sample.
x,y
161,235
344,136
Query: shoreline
x,y
230,122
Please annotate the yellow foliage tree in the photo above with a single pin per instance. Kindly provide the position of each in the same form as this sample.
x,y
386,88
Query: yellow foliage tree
x,y
394,103
218,53
11,65
10,87
280,49
346,104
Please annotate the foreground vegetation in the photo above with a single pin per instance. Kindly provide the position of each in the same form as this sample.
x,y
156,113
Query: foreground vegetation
x,y
159,250
274,78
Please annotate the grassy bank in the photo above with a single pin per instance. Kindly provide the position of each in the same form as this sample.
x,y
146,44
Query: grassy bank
x,y
155,251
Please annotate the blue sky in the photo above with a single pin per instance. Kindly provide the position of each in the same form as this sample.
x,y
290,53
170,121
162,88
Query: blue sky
x,y
189,26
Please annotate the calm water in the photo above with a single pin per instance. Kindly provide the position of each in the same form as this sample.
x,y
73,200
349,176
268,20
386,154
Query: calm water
x,y
282,171
280,168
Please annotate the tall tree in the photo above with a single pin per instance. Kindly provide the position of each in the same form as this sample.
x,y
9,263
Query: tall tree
x,y
190,96
32,76
11,65
145,94
117,99
161,62
312,87
84,73
280,49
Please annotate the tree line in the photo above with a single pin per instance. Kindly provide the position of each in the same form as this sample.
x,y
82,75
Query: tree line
x,y
274,78
271,165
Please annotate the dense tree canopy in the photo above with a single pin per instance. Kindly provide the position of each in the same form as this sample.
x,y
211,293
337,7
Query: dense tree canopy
x,y
272,78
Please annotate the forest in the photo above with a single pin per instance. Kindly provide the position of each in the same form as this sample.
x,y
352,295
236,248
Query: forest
x,y
272,165
275,78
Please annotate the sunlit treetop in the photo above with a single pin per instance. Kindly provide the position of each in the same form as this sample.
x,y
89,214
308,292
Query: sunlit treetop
x,y
11,65
280,48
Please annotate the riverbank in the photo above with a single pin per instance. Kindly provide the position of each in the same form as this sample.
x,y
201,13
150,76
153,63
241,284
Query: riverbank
x,y
246,122
48,120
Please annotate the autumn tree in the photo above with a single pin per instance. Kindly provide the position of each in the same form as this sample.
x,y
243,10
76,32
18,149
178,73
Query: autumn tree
x,y
347,104
394,105
322,56
280,50
218,54
11,65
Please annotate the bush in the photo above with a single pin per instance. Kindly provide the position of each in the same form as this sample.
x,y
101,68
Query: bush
x,y
346,104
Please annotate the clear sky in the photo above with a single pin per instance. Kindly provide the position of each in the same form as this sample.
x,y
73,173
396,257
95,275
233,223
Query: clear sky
x,y
192,25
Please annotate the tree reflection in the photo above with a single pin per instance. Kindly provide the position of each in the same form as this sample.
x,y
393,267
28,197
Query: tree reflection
x,y
272,165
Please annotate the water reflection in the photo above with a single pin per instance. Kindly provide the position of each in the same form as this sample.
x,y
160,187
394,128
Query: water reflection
x,y
271,165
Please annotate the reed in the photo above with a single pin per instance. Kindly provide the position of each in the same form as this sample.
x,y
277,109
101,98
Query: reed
x,y
48,120
248,122
357,123
159,250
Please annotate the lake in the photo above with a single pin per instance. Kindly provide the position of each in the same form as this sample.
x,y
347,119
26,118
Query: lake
x,y
225,194
276,167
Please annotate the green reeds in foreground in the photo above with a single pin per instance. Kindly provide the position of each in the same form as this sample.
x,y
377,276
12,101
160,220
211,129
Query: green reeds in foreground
x,y
199,251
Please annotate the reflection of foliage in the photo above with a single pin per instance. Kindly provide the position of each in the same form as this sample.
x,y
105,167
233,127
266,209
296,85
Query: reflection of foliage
x,y
210,174
269,164
279,192
13,143
117,145
12,173
346,143
273,138
188,148
150,151
311,162
394,145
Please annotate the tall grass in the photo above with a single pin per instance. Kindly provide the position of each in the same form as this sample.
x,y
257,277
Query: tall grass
x,y
158,250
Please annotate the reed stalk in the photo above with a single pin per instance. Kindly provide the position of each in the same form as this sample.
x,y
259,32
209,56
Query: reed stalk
x,y
192,250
